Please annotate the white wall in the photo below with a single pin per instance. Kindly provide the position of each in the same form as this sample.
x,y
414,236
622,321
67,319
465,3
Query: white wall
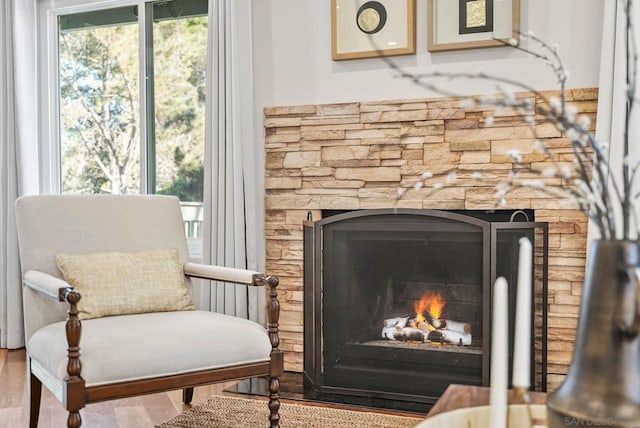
x,y
292,57
292,53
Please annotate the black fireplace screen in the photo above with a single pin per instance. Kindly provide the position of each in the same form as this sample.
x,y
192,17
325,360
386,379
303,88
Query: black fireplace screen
x,y
397,301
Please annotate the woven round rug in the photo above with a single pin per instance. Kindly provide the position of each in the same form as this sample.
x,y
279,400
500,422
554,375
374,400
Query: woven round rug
x,y
231,412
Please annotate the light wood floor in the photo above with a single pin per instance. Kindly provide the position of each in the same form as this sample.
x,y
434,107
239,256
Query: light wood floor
x,y
138,412
145,411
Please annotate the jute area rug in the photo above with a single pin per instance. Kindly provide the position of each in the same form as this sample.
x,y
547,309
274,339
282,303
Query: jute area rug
x,y
231,412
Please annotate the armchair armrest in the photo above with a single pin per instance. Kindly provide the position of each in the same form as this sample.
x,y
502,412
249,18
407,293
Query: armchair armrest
x,y
220,273
48,285
62,291
249,277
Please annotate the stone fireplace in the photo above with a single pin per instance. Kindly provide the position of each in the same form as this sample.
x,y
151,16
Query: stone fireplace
x,y
354,156
397,301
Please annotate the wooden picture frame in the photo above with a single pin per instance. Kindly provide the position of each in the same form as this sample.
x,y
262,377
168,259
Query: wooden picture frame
x,y
369,29
471,24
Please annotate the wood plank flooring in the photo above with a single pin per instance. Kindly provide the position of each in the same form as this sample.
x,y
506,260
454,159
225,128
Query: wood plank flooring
x,y
145,411
137,412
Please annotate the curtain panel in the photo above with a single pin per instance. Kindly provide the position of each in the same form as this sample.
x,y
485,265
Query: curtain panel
x,y
18,152
613,90
230,220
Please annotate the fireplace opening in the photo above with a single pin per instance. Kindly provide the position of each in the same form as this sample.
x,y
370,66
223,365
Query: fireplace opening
x,y
397,302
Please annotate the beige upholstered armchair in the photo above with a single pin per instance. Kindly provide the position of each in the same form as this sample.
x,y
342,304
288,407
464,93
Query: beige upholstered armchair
x,y
108,310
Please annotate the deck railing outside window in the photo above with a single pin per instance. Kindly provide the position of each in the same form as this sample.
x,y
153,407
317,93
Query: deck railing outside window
x,y
193,216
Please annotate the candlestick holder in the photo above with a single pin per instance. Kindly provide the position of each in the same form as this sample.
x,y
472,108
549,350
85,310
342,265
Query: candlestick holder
x,y
521,396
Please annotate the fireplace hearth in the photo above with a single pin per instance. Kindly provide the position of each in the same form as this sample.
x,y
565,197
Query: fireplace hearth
x,y
397,301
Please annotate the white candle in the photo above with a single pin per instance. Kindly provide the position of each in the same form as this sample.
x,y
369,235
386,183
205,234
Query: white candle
x,y
522,340
499,355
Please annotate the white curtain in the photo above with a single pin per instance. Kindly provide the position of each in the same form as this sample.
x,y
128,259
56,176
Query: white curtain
x,y
230,196
613,87
18,152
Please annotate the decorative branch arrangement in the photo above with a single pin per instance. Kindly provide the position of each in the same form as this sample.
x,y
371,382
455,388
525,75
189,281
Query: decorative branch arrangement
x,y
588,183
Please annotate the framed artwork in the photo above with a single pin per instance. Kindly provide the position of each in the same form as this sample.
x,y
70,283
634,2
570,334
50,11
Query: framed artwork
x,y
469,24
367,29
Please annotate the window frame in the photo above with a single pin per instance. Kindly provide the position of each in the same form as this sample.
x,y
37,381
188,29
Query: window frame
x,y
50,174
48,54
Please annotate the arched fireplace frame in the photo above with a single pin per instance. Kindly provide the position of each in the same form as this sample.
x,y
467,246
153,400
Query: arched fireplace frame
x,y
320,235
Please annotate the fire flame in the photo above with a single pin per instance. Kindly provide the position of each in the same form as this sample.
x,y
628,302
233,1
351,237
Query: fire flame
x,y
432,303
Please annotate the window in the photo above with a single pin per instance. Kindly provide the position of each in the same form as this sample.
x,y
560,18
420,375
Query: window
x,y
130,101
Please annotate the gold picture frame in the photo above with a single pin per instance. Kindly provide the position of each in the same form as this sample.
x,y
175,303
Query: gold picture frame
x,y
471,24
369,29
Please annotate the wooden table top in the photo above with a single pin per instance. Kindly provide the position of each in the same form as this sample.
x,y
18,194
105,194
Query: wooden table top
x,y
459,396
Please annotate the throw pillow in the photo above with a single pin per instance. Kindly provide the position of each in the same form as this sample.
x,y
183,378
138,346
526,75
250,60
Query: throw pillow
x,y
117,283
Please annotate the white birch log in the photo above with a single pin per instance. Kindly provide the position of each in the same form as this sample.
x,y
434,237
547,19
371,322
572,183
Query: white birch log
x,y
456,338
424,326
408,328
448,336
406,333
412,322
412,333
389,333
434,336
435,322
460,327
397,321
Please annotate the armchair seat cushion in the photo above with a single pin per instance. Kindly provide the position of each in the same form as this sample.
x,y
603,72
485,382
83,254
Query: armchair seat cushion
x,y
133,347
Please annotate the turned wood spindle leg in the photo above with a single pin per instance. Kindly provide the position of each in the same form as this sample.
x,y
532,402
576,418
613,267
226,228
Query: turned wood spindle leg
x,y
274,402
272,327
73,384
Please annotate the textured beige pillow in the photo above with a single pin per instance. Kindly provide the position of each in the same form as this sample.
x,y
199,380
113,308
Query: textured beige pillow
x,y
126,283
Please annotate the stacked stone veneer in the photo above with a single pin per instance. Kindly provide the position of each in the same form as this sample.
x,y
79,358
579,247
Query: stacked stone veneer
x,y
356,155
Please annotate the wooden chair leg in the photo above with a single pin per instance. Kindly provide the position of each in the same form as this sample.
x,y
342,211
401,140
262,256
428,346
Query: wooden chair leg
x,y
74,420
274,402
34,400
187,395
